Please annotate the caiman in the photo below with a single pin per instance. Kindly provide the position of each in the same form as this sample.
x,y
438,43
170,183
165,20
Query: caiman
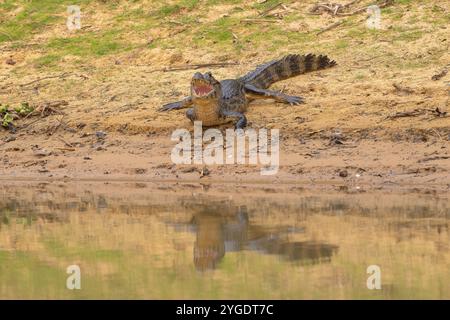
x,y
215,103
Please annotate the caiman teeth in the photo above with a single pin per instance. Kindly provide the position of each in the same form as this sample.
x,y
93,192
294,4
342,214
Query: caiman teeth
x,y
202,89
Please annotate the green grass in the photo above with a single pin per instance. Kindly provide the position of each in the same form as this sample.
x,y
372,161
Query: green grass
x,y
47,60
265,5
220,31
221,2
34,16
136,18
402,34
168,10
133,15
85,45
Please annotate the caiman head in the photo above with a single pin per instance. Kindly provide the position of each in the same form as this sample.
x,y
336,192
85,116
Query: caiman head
x,y
205,88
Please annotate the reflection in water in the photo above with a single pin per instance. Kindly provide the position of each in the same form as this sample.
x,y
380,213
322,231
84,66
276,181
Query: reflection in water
x,y
217,234
151,241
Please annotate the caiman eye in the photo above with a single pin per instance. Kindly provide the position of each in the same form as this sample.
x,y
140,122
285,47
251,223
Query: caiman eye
x,y
208,74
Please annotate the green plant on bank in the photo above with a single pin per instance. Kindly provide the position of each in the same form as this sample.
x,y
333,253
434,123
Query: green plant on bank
x,y
24,109
7,116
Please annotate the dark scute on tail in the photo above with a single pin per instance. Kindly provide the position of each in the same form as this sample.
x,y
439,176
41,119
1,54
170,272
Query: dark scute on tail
x,y
287,67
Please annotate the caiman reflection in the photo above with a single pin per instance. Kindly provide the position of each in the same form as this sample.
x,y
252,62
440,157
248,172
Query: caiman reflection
x,y
224,228
166,241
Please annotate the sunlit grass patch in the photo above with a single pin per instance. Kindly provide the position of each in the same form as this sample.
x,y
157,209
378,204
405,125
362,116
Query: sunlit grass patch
x,y
132,15
33,16
403,1
408,35
265,5
171,9
218,2
90,44
218,32
47,60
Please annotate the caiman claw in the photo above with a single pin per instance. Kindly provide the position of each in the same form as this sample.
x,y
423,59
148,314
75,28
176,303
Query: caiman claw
x,y
294,101
170,106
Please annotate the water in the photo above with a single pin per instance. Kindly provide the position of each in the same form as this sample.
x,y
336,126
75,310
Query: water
x,y
142,240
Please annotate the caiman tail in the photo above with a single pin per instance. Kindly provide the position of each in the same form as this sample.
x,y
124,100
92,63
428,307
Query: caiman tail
x,y
289,66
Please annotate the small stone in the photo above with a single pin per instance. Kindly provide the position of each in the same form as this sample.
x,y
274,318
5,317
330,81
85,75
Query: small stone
x,y
205,172
42,153
100,135
140,171
343,173
9,139
10,61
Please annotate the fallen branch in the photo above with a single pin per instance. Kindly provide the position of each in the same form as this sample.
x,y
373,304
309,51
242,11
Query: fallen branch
x,y
418,112
434,158
55,128
50,107
335,9
266,12
44,78
198,66
441,74
249,20
62,75
176,22
331,26
65,149
65,142
332,8
363,9
411,113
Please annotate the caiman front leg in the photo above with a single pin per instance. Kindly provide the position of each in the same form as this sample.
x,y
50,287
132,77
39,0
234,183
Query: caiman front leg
x,y
257,93
190,114
186,102
241,119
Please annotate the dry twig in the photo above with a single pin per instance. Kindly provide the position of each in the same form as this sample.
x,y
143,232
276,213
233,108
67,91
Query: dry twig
x,y
249,20
198,66
61,76
441,74
331,26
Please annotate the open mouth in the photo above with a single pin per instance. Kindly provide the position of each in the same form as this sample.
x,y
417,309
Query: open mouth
x,y
202,88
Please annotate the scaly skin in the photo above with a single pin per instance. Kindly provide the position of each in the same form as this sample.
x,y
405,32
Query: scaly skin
x,y
215,103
